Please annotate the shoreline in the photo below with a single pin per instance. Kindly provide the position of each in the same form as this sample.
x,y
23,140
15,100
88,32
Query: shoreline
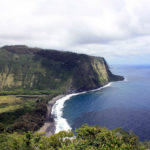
x,y
48,128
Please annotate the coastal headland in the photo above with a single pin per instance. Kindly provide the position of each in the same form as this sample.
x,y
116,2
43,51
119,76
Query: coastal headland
x,y
33,76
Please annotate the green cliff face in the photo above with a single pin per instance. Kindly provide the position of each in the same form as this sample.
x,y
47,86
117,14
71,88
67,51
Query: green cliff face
x,y
32,69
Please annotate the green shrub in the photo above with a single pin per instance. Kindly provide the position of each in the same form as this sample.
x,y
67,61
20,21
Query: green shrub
x,y
87,138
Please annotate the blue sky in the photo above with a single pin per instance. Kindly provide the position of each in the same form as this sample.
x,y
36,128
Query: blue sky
x,y
118,30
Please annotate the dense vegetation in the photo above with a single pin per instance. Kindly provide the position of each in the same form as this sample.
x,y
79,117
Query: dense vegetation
x,y
23,112
87,138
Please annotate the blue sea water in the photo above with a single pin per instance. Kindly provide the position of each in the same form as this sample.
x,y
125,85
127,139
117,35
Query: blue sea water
x,y
124,104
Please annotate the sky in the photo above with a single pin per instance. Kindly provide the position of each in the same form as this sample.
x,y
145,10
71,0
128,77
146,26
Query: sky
x,y
118,30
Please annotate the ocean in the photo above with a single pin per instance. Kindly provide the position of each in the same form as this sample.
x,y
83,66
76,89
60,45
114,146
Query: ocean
x,y
124,104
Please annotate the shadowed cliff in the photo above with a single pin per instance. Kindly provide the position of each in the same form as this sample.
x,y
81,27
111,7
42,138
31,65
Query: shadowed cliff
x,y
24,69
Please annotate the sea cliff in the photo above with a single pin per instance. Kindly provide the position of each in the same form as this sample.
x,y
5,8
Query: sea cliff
x,y
25,70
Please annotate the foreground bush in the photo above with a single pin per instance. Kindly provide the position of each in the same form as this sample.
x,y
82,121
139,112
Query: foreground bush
x,y
87,138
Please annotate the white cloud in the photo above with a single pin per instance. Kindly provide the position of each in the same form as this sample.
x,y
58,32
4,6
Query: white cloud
x,y
109,28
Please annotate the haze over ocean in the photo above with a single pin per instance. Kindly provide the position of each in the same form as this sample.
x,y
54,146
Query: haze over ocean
x,y
123,104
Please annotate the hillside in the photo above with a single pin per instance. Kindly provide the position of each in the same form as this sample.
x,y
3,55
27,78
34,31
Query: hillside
x,y
30,77
24,69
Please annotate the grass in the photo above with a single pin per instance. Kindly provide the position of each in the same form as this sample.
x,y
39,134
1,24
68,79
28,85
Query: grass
x,y
35,92
12,107
10,103
23,113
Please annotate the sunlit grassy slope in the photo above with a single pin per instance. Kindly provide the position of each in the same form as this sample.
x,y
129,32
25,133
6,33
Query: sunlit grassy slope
x,y
12,103
12,107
